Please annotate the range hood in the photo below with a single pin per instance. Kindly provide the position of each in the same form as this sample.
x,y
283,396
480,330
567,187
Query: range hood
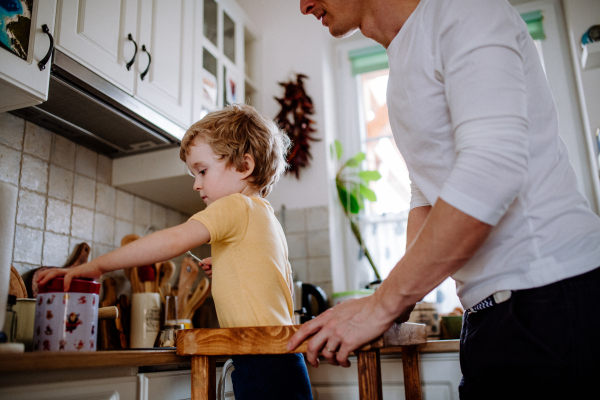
x,y
90,111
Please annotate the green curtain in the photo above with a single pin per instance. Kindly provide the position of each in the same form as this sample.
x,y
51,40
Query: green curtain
x,y
374,58
535,25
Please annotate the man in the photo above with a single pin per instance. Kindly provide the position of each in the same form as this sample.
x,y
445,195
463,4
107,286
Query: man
x,y
494,199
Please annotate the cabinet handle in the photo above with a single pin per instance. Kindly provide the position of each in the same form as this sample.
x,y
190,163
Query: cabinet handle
x,y
130,63
42,64
143,74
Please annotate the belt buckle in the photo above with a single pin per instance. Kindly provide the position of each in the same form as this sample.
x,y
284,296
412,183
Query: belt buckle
x,y
497,298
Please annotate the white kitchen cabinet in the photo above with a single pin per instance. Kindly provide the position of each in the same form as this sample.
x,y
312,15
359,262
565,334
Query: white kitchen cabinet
x,y
439,372
105,36
95,34
166,32
22,84
173,385
97,389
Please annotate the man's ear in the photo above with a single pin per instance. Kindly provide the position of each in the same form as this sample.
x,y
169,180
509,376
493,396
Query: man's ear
x,y
248,165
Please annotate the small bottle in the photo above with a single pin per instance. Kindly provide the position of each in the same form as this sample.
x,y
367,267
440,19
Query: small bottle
x,y
10,323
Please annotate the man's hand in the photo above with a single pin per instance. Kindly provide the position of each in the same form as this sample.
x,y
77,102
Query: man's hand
x,y
207,266
88,270
342,329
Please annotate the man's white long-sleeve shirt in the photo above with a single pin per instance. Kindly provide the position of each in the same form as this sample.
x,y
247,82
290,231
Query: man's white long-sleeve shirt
x,y
473,116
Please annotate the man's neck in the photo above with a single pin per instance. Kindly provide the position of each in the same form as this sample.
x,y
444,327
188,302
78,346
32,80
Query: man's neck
x,y
384,19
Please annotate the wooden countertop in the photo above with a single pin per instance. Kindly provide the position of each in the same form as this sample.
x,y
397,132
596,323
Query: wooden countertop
x,y
54,361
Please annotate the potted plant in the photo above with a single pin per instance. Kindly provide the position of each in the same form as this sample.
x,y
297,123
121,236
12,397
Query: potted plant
x,y
352,183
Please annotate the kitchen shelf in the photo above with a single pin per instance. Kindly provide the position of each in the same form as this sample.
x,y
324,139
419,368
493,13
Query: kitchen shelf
x,y
54,361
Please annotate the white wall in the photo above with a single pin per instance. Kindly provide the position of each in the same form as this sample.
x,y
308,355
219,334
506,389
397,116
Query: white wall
x,y
293,43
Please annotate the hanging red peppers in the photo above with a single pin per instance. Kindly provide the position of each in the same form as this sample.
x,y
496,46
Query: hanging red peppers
x,y
296,107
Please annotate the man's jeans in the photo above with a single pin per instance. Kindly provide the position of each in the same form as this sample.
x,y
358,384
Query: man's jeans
x,y
542,343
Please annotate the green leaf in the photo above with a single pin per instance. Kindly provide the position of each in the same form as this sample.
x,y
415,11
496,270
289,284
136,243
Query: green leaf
x,y
338,149
368,193
353,207
368,176
356,160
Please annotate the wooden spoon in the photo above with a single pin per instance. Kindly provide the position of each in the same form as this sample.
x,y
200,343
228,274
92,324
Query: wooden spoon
x,y
126,240
187,276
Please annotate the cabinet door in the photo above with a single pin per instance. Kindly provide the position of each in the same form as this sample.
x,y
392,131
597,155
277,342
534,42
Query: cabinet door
x,y
22,84
174,385
95,34
166,32
98,389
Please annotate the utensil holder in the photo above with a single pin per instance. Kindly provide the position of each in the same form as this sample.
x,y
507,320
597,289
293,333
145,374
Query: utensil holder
x,y
145,320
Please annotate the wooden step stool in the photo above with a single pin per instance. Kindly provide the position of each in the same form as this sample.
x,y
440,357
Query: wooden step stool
x,y
204,345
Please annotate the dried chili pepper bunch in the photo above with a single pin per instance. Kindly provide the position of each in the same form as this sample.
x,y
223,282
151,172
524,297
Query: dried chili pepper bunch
x,y
296,107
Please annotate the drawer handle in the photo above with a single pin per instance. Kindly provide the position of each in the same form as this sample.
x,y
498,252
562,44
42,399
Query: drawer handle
x,y
143,74
130,63
42,64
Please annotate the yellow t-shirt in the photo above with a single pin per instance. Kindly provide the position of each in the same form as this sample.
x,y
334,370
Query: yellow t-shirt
x,y
251,273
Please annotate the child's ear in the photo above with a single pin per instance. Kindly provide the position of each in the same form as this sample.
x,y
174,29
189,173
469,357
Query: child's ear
x,y
248,165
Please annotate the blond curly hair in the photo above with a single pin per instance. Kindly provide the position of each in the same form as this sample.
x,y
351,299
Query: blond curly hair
x,y
239,129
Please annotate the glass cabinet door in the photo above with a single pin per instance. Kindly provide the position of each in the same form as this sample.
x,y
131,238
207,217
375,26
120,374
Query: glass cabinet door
x,y
210,21
228,37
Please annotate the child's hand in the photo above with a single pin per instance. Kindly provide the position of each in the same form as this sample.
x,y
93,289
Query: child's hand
x,y
207,266
88,270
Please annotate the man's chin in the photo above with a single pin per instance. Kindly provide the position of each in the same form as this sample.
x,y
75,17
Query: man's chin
x,y
340,34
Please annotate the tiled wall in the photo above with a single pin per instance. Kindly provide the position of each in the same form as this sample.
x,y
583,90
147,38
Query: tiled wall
x,y
66,197
307,233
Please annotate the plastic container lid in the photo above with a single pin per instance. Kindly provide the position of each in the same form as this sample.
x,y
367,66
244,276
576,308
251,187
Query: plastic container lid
x,y
78,285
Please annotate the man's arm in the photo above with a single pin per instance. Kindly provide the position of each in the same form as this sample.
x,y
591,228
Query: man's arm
x,y
446,241
416,219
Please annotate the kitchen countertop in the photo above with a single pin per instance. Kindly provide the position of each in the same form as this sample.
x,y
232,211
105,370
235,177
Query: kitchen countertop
x,y
55,361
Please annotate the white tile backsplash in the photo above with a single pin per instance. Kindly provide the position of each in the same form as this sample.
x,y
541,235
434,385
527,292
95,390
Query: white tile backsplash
x,y
104,171
84,192
38,141
319,270
104,229
60,183
105,199
66,199
159,216
58,216
82,223
318,244
86,161
34,174
307,234
11,130
56,250
124,207
293,220
317,218
122,228
10,164
28,245
63,152
296,245
31,209
142,212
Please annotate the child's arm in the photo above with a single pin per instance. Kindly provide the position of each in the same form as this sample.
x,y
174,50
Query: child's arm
x,y
159,246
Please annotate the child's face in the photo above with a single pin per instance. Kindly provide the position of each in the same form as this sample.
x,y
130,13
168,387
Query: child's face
x,y
213,179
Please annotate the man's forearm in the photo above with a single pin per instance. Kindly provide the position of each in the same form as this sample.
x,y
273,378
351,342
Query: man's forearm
x,y
416,219
446,241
